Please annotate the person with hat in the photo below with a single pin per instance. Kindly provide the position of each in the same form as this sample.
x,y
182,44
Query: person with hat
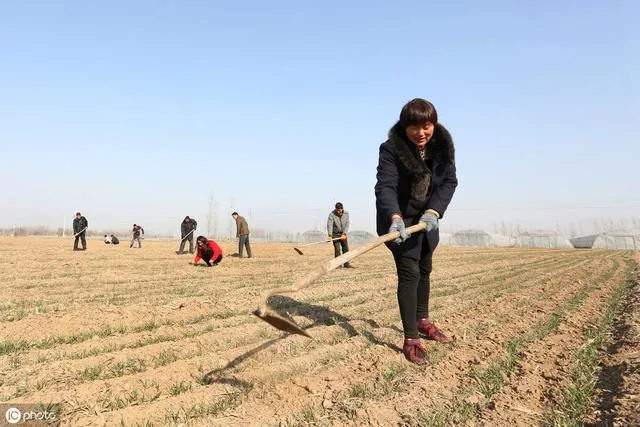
x,y
242,233
337,228
80,225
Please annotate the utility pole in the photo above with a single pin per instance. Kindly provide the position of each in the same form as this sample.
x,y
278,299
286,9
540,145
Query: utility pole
x,y
209,215
215,219
230,224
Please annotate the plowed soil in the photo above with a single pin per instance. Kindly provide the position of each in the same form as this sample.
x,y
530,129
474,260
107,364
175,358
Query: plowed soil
x,y
123,336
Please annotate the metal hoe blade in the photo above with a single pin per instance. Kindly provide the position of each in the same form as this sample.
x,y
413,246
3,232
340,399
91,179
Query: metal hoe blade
x,y
279,322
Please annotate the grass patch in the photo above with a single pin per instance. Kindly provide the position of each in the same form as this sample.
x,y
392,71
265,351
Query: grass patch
x,y
165,357
179,388
576,399
490,380
206,409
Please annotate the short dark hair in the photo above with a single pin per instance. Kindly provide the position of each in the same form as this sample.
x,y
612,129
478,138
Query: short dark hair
x,y
78,213
235,213
339,206
418,111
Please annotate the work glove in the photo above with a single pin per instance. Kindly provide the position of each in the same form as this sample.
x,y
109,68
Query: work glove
x,y
430,218
398,225
343,237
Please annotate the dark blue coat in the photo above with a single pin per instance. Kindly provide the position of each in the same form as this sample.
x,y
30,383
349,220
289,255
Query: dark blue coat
x,y
408,185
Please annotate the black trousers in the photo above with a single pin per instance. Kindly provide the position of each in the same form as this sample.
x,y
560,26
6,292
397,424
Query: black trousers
x,y
340,244
138,238
413,288
189,238
82,238
208,254
244,242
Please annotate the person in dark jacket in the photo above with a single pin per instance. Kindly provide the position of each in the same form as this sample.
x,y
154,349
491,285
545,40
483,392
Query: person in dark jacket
x,y
187,228
209,251
110,239
416,180
338,227
242,233
138,232
80,225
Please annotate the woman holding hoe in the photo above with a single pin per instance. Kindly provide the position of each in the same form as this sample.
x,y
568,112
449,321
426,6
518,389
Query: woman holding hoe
x,y
416,179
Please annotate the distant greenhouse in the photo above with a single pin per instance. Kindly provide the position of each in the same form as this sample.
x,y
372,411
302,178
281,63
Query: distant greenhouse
x,y
445,239
543,239
360,237
357,237
618,239
313,236
480,238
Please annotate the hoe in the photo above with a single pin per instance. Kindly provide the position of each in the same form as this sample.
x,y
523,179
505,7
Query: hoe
x,y
297,248
288,325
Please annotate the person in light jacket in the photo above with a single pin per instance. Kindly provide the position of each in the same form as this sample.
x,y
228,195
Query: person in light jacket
x,y
337,228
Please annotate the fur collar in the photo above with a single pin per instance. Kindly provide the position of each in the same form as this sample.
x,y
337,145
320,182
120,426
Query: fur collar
x,y
439,147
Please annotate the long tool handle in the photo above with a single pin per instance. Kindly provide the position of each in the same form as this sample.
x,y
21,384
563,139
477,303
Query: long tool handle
x,y
80,232
187,235
337,262
317,243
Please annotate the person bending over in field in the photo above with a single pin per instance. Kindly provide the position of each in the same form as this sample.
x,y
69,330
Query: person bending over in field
x,y
416,180
209,251
137,232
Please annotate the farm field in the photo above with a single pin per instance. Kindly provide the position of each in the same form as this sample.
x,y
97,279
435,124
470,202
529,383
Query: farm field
x,y
122,336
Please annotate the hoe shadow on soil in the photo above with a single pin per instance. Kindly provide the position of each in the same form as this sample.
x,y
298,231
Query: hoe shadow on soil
x,y
321,316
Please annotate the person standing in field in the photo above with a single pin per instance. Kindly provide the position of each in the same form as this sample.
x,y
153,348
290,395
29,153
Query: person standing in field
x,y
80,225
242,233
338,227
209,251
138,232
187,228
416,180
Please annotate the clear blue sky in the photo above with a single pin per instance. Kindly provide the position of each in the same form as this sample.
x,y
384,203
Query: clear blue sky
x,y
136,111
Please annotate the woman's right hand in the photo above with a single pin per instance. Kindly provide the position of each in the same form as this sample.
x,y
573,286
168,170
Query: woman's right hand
x,y
397,224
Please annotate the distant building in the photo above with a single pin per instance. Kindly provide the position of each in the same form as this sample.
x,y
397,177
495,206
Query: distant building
x,y
543,239
311,236
360,237
617,239
479,238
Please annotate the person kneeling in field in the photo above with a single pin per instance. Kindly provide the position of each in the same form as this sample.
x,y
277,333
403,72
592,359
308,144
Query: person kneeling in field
x,y
209,251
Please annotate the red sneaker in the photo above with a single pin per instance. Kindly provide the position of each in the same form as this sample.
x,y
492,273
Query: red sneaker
x,y
414,351
430,329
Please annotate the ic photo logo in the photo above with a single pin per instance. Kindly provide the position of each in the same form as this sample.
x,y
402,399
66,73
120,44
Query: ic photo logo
x,y
13,415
